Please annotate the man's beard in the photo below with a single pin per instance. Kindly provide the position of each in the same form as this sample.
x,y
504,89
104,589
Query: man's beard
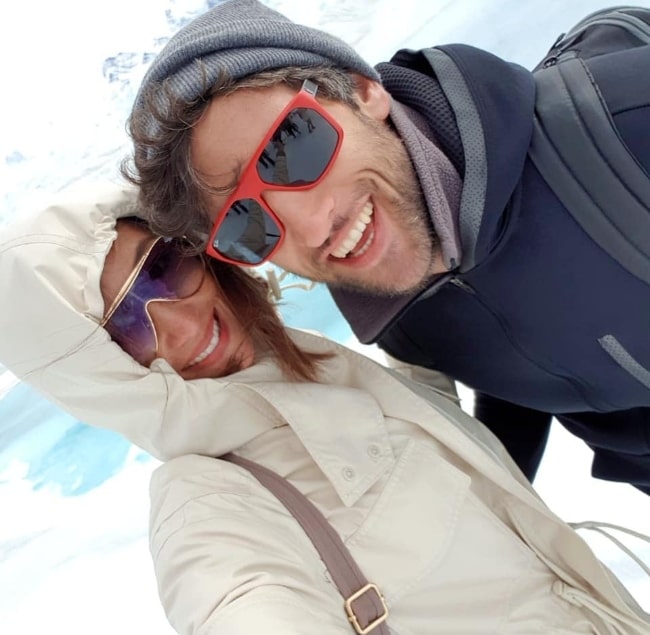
x,y
410,206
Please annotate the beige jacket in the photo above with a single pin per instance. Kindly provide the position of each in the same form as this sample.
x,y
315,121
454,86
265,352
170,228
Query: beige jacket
x,y
425,498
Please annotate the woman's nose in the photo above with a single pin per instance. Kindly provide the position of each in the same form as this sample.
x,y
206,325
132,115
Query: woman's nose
x,y
175,325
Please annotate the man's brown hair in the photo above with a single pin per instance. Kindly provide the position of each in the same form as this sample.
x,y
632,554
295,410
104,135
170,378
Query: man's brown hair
x,y
174,196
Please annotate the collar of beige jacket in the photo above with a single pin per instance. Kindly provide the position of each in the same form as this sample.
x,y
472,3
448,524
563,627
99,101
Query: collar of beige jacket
x,y
345,433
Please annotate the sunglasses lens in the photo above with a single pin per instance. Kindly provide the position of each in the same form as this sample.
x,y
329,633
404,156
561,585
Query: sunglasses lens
x,y
172,272
247,234
130,328
299,151
167,274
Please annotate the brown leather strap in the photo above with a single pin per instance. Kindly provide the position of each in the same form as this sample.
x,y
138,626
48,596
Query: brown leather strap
x,y
364,604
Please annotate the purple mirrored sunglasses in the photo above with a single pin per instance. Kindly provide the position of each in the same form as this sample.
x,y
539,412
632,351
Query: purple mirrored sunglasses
x,y
165,273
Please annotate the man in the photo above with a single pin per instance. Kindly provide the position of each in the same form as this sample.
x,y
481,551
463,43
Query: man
x,y
409,190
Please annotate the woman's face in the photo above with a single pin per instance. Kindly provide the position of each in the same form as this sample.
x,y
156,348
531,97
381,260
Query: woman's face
x,y
200,335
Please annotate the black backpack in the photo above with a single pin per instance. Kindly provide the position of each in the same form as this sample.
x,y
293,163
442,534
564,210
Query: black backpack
x,y
576,146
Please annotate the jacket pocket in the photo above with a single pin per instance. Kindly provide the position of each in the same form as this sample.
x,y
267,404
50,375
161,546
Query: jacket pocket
x,y
621,356
413,522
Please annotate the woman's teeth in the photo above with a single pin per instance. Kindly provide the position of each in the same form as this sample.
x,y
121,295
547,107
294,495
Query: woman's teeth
x,y
214,340
353,238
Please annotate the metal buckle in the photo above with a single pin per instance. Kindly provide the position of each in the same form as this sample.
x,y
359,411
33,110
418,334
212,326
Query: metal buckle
x,y
353,618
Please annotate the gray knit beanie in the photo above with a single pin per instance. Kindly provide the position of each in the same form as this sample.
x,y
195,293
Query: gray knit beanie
x,y
242,37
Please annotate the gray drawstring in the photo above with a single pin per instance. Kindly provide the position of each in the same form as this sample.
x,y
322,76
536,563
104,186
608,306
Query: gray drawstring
x,y
601,529
613,620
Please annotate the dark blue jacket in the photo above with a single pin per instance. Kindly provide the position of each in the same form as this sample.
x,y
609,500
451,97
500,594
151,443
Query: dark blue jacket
x,y
537,313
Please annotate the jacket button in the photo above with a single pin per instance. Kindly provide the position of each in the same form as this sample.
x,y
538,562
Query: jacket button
x,y
348,473
374,451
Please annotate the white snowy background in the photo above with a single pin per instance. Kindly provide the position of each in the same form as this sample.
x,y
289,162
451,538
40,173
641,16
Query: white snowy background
x,y
73,499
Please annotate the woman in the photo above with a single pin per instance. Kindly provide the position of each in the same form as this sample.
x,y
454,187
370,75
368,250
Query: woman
x,y
431,508
203,318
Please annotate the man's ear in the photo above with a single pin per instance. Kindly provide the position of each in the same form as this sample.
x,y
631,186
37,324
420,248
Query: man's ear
x,y
373,99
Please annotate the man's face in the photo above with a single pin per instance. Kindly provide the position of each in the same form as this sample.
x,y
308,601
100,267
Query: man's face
x,y
364,225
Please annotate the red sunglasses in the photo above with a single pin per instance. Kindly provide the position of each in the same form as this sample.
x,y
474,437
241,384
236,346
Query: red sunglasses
x,y
297,153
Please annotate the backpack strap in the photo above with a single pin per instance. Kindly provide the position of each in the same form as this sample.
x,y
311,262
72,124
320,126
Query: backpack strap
x,y
364,604
578,152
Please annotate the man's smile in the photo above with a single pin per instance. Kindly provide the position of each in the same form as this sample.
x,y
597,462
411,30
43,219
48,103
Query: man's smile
x,y
359,237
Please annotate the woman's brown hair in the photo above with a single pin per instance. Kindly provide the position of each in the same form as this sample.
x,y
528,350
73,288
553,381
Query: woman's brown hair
x,y
248,296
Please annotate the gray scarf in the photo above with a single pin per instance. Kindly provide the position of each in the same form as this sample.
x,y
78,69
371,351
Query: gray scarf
x,y
440,183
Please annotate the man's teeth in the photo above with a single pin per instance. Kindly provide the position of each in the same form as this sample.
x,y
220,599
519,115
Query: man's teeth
x,y
354,236
214,340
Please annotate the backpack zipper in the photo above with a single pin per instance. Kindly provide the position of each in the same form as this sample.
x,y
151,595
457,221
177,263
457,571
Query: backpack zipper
x,y
632,24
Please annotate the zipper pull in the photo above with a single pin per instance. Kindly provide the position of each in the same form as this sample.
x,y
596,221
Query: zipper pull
x,y
558,40
461,284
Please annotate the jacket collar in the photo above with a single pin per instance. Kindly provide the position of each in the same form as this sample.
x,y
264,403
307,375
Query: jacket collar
x,y
352,402
352,464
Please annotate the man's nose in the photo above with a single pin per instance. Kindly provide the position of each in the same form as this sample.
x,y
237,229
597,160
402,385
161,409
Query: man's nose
x,y
307,215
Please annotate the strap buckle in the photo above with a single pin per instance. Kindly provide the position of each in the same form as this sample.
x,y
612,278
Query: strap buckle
x,y
354,620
